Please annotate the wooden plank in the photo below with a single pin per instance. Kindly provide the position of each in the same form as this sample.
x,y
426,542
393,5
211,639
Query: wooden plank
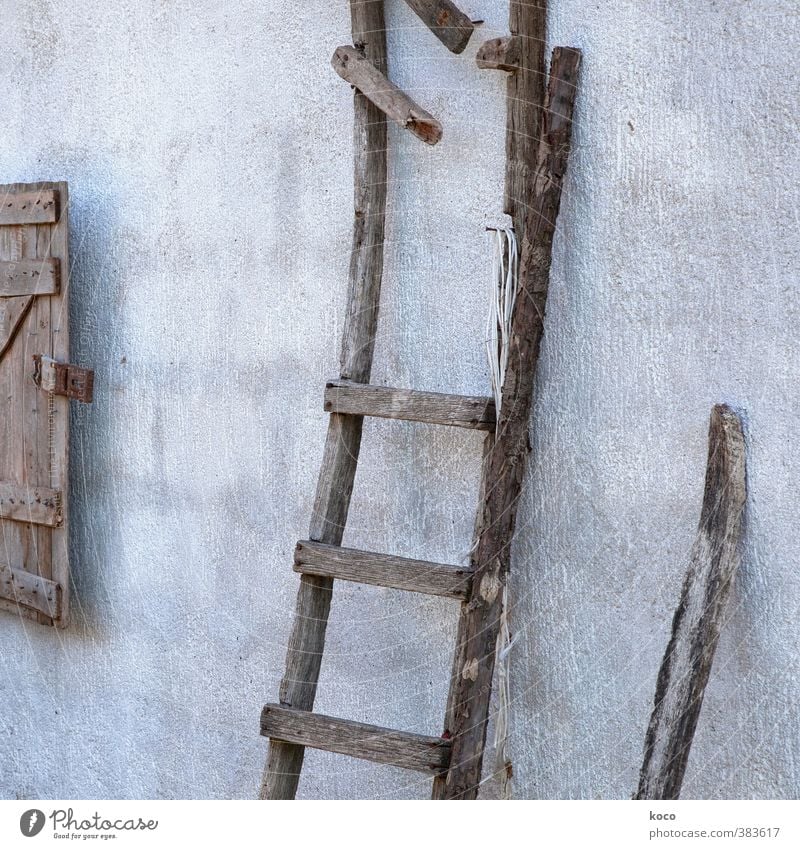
x,y
28,206
500,54
29,277
475,653
36,593
13,311
446,21
34,505
335,484
356,739
382,570
474,412
351,65
700,614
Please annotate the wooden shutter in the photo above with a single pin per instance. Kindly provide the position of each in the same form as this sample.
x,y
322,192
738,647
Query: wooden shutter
x,y
34,560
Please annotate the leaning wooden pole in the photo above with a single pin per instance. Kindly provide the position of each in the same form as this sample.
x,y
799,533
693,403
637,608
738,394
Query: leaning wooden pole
x,y
505,463
446,21
335,486
700,614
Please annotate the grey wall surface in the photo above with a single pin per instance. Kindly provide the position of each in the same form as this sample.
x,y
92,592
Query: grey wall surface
x,y
208,150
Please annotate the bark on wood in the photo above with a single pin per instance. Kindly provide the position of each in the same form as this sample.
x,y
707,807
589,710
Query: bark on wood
x,y
382,570
30,591
335,485
28,277
475,653
351,65
700,614
357,739
476,413
500,54
446,21
36,206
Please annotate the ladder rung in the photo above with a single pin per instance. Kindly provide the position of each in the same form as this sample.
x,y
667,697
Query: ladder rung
x,y
383,570
363,399
369,742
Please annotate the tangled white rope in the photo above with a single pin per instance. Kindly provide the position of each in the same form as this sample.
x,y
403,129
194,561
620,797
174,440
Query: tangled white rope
x,y
503,293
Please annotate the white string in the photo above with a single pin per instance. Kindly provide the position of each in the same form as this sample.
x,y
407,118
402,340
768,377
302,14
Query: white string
x,y
503,295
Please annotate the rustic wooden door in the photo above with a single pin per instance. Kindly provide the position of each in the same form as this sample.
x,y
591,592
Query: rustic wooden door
x,y
34,561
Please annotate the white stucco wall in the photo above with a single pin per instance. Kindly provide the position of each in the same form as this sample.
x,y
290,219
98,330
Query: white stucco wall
x,y
208,148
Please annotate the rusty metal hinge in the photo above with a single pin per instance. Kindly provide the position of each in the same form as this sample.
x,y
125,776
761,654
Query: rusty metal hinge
x,y
63,378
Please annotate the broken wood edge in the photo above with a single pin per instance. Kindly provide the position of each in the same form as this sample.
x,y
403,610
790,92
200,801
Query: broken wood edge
x,y
500,54
699,617
446,21
353,67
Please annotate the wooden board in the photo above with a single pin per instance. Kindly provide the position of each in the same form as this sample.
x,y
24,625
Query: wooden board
x,y
29,277
33,447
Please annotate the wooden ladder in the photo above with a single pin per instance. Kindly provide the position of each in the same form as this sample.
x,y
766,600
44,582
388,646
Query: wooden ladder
x,y
539,131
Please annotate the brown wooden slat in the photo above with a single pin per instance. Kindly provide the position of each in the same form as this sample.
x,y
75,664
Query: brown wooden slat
x,y
698,620
36,505
500,54
342,444
29,207
351,65
362,399
31,591
356,739
446,21
29,277
382,570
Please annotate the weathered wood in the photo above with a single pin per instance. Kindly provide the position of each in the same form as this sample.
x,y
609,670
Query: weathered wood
x,y
500,54
446,21
473,412
37,505
30,591
351,65
478,631
335,484
36,206
700,614
382,570
356,739
29,277
35,427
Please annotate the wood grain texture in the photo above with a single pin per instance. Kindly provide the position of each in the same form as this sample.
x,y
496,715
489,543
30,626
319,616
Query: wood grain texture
x,y
30,591
335,485
500,54
446,21
29,277
356,739
468,705
351,65
475,413
29,206
33,450
382,570
36,505
700,614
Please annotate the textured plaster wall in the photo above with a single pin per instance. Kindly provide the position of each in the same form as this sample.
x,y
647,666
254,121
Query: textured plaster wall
x,y
208,149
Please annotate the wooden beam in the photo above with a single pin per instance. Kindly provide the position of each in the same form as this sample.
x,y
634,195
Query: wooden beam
x,y
480,621
382,570
29,277
473,412
356,739
335,484
33,207
31,591
351,65
500,54
446,21
700,615
36,505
